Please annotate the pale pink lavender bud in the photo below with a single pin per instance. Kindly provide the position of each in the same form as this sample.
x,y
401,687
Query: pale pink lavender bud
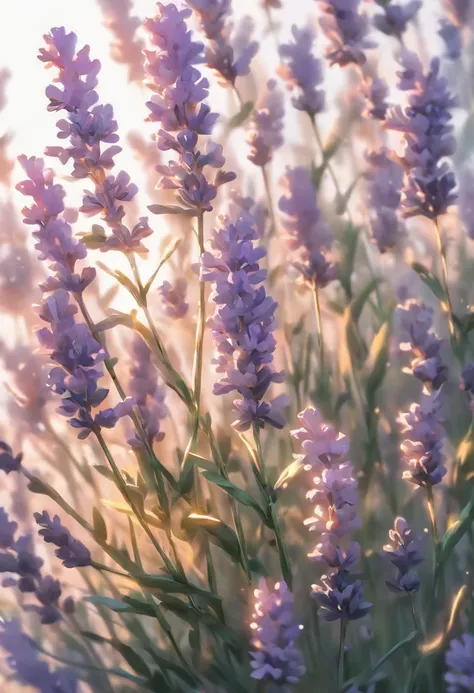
x,y
27,669
340,595
243,324
265,129
395,18
404,554
276,659
347,31
179,91
173,298
460,663
426,122
71,551
302,71
8,461
452,37
322,445
423,442
417,322
148,393
385,181
308,235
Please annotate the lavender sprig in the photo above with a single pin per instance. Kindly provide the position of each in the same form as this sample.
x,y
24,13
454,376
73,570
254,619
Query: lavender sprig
x,y
276,658
460,663
385,180
404,554
302,71
394,19
347,31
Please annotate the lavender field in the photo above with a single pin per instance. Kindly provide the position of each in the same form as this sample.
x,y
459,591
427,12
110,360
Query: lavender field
x,y
237,346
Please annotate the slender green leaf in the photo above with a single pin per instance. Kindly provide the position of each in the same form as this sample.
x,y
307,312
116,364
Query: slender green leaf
x,y
455,533
289,473
429,280
100,528
240,117
241,496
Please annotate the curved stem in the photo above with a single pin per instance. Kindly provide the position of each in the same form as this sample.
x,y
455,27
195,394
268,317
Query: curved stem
x,y
325,161
444,275
340,654
319,323
200,329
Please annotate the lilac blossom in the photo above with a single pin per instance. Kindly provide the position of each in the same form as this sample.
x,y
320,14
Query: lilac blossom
x,y
404,554
27,668
460,663
244,322
302,71
276,659
8,461
240,205
347,31
334,495
126,48
178,106
72,552
230,48
426,122
24,567
423,442
417,322
173,298
309,236
452,38
265,128
148,393
395,18
385,180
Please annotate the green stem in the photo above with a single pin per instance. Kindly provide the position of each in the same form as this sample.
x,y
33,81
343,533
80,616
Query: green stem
x,y
325,160
319,323
444,275
268,192
340,654
200,329
432,514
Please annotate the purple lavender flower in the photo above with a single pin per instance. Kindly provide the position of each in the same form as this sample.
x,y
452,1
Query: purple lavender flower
x,y
308,234
8,461
423,442
417,322
173,298
265,129
347,31
27,668
395,18
452,37
404,554
340,595
148,393
244,322
71,551
302,71
376,92
426,122
230,49
276,659
460,664
385,178
178,106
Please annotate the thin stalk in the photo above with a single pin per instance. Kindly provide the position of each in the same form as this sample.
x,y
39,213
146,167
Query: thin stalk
x,y
416,620
340,654
200,329
268,192
444,275
324,158
121,485
432,514
94,657
319,324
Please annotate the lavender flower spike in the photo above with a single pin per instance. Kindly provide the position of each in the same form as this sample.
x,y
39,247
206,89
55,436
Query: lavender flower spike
x,y
339,595
276,659
423,442
265,129
71,551
460,663
404,554
302,71
394,18
230,49
452,37
309,237
385,180
243,323
347,31
179,92
426,122
173,298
